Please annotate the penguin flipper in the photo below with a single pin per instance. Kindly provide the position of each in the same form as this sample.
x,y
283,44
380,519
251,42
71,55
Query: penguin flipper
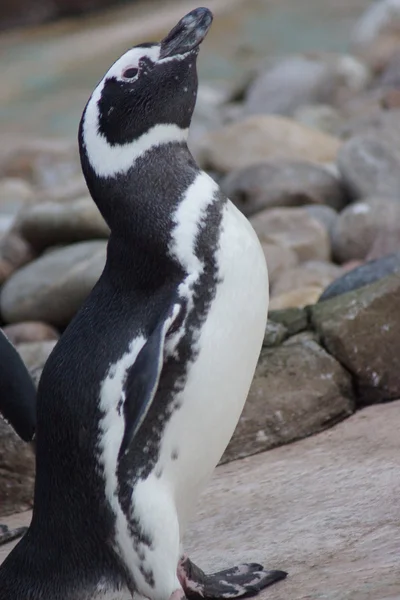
x,y
17,391
143,378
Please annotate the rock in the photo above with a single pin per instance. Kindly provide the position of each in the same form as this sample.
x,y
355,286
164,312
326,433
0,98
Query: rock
x,y
376,36
70,190
370,166
282,183
278,259
320,116
298,298
362,275
361,329
14,253
35,355
294,81
275,334
43,162
52,223
208,114
359,225
293,228
386,242
17,472
53,287
14,195
323,214
260,138
390,78
295,320
297,391
30,331
311,273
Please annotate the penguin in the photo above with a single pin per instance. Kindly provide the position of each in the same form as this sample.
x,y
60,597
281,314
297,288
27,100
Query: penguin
x,y
17,406
140,396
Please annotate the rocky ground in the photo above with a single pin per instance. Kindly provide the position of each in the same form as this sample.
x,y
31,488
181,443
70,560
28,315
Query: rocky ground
x,y
308,148
325,509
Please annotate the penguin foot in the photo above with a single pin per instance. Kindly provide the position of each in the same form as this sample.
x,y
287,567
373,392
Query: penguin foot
x,y
242,581
8,536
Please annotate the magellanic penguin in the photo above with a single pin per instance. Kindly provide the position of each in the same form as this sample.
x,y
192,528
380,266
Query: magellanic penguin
x,y
142,393
17,405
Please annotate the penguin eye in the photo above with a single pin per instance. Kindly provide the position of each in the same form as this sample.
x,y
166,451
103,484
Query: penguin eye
x,y
130,73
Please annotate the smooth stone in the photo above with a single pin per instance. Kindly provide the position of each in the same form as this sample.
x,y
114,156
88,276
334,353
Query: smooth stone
x,y
275,334
360,224
323,117
278,259
45,163
325,215
35,355
370,166
262,137
297,298
52,223
293,81
386,242
297,391
295,229
295,320
17,472
362,275
311,273
15,252
361,329
283,183
325,492
15,194
30,331
53,287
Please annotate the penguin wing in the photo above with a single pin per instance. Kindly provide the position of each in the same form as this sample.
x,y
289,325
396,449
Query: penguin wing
x,y
17,391
143,377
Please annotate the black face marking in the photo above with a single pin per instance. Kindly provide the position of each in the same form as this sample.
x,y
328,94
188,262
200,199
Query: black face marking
x,y
148,575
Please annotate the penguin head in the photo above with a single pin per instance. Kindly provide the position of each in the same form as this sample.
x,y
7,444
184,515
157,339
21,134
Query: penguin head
x,y
147,97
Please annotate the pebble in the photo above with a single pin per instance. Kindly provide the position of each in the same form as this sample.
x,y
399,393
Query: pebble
x,y
14,195
279,259
53,287
30,331
15,252
359,225
370,166
263,137
297,298
311,273
323,214
323,117
283,183
295,229
51,223
362,275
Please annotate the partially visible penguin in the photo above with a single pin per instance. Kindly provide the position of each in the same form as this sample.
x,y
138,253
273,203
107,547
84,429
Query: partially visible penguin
x,y
142,393
17,405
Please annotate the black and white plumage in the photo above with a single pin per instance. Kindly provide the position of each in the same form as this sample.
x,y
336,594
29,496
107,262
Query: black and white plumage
x,y
141,395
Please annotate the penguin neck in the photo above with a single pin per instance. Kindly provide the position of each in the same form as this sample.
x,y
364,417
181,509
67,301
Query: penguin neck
x,y
138,204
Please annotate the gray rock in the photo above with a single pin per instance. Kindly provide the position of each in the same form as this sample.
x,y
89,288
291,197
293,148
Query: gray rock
x,y
370,166
371,271
361,329
323,214
293,228
51,223
297,390
263,137
15,252
320,116
17,472
283,183
294,81
278,258
359,225
53,287
15,194
35,355
310,273
275,334
30,331
295,320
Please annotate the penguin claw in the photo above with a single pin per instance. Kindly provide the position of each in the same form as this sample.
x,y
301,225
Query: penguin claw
x,y
237,582
8,536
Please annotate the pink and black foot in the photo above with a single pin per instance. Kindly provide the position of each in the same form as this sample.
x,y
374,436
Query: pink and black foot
x,y
7,535
238,582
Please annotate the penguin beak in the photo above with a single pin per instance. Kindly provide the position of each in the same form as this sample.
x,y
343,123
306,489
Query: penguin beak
x,y
187,34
